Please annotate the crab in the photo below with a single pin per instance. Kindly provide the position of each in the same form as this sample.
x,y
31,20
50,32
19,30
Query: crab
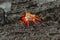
x,y
29,17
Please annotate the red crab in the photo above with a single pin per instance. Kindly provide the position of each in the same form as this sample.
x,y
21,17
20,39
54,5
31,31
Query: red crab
x,y
28,17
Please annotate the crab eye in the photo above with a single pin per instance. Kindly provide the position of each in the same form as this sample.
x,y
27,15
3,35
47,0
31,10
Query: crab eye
x,y
27,17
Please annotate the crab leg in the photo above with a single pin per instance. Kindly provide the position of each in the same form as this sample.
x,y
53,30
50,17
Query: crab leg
x,y
40,19
27,23
36,24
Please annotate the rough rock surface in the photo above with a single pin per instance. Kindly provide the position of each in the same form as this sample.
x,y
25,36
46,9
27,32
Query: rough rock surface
x,y
13,31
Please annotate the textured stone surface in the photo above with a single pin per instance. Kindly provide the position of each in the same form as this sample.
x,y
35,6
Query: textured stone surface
x,y
13,31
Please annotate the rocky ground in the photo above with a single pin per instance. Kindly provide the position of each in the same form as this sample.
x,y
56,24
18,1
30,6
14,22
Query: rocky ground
x,y
13,31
